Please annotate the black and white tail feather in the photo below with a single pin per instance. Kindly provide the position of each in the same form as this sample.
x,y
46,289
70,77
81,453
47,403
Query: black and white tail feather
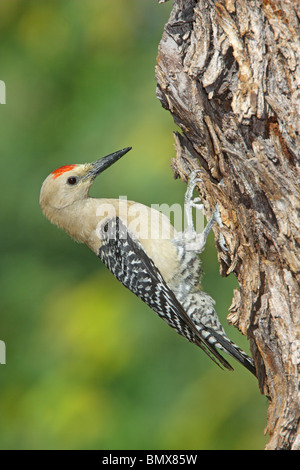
x,y
125,257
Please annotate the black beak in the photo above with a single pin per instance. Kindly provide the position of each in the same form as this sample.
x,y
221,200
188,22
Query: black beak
x,y
103,163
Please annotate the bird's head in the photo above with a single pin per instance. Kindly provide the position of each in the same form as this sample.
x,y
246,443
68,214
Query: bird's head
x,y
71,183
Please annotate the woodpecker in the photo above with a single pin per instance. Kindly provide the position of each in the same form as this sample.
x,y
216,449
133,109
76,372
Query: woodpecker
x,y
158,264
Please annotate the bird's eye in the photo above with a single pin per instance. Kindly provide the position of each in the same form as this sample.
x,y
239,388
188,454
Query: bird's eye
x,y
72,180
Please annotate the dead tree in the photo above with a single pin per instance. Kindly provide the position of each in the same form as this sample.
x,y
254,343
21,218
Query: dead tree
x,y
229,73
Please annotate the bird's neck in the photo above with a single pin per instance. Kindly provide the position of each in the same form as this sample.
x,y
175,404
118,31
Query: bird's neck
x,y
81,219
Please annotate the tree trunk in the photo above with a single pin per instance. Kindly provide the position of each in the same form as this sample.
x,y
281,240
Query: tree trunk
x,y
228,72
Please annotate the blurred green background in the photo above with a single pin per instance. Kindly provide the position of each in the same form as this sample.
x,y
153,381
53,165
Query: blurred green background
x,y
89,366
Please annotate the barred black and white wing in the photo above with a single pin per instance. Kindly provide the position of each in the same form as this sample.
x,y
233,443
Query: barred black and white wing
x,y
125,257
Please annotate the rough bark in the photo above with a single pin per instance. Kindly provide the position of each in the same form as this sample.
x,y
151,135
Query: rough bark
x,y
229,73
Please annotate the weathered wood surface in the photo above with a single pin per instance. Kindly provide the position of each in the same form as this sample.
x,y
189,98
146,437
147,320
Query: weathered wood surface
x,y
229,73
